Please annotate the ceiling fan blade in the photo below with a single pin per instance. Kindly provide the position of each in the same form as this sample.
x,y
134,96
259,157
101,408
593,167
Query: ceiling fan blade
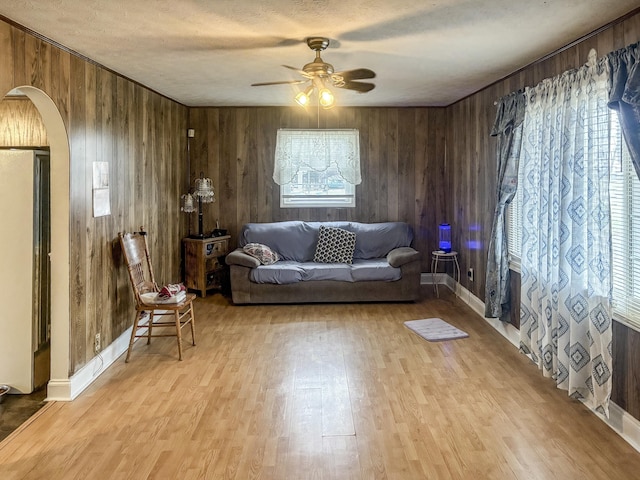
x,y
357,74
301,72
284,82
224,43
361,87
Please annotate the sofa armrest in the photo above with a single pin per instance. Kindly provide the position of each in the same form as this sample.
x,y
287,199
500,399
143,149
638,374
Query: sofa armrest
x,y
402,255
238,257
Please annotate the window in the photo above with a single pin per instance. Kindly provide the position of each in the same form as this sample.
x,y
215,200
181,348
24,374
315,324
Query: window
x,y
317,168
625,228
317,189
624,194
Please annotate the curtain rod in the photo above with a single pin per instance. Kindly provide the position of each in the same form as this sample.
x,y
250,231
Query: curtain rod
x,y
592,60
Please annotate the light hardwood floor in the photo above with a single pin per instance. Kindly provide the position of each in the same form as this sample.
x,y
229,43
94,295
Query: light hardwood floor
x,y
321,392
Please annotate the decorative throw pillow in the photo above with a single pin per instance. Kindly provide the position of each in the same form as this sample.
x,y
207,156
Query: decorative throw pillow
x,y
335,245
261,252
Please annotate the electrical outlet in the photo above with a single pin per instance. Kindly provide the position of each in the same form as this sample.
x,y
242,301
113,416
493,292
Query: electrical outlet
x,y
96,344
470,274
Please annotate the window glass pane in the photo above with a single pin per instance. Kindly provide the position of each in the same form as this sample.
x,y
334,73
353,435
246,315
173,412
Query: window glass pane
x,y
625,228
317,189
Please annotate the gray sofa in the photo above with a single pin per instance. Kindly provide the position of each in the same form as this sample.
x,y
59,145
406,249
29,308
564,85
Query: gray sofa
x,y
384,266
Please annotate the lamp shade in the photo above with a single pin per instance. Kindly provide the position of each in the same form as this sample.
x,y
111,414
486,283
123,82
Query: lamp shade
x,y
188,205
204,190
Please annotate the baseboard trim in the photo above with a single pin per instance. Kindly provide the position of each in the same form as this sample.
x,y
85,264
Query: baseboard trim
x,y
624,424
507,330
67,390
433,278
620,421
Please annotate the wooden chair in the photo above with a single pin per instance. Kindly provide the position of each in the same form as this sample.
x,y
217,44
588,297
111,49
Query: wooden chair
x,y
136,254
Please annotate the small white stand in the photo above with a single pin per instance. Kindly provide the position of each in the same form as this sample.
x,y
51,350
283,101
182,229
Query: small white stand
x,y
440,256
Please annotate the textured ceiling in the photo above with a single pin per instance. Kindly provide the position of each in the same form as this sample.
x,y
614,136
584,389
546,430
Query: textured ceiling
x,y
209,52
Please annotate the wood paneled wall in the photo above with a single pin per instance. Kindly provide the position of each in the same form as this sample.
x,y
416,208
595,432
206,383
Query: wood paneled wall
x,y
471,173
21,124
142,136
402,152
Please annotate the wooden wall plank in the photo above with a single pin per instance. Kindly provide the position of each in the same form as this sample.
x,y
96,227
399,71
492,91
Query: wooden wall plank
x,y
391,149
121,191
17,53
246,175
78,197
6,46
85,165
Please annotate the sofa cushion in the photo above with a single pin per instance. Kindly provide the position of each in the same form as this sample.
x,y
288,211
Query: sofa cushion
x,y
281,273
377,269
313,271
262,252
335,245
293,240
375,240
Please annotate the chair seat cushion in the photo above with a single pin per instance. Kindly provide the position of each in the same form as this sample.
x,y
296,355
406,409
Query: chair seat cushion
x,y
153,298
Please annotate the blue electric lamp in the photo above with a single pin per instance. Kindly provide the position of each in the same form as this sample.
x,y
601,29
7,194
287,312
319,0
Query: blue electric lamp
x,y
444,242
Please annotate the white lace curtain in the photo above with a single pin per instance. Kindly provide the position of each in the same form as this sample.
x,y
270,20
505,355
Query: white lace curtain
x,y
565,318
317,150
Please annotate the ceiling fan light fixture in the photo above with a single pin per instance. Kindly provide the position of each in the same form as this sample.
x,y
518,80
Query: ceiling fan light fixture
x,y
303,98
320,74
326,98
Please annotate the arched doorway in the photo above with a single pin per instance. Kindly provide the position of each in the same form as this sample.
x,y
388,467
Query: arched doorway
x,y
59,387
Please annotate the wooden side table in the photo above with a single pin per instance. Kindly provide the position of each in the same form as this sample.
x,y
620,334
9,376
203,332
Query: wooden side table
x,y
440,256
204,266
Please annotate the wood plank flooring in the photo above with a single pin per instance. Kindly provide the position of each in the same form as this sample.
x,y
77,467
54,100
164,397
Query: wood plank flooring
x,y
321,392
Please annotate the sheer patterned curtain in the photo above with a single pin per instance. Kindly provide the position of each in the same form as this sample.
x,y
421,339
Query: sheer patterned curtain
x,y
508,129
565,317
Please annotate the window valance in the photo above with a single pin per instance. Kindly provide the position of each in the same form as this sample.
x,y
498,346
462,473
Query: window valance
x,y
317,150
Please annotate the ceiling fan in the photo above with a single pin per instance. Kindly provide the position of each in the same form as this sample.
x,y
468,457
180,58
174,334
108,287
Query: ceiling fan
x,y
321,75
